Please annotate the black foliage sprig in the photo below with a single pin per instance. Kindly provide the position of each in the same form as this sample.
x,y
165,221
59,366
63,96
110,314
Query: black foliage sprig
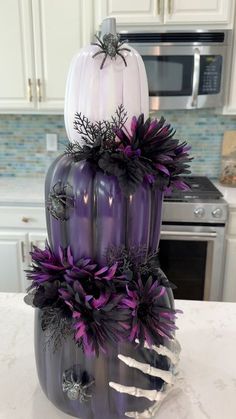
x,y
57,325
91,131
147,151
138,260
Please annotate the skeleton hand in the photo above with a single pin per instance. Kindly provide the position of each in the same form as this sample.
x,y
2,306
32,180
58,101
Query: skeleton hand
x,y
168,376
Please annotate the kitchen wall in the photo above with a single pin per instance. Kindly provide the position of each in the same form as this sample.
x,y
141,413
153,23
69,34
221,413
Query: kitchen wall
x,y
23,144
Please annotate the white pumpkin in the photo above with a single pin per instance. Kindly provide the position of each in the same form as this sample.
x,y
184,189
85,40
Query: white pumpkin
x,y
97,93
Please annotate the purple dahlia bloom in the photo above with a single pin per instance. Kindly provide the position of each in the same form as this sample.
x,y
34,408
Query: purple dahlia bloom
x,y
99,321
151,320
47,267
162,155
95,279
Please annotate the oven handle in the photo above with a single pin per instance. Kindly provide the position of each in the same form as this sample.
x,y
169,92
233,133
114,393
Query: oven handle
x,y
189,234
196,74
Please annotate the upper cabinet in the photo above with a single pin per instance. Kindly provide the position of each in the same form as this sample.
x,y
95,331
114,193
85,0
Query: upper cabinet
x,y
38,39
61,28
131,12
200,11
170,12
17,64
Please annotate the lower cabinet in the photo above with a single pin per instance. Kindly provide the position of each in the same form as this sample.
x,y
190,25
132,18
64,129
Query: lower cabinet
x,y
14,258
12,261
229,290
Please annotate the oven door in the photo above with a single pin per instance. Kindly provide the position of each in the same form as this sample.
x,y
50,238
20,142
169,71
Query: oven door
x,y
184,77
192,257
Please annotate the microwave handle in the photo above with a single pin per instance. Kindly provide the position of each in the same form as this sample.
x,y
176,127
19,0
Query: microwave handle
x,y
196,74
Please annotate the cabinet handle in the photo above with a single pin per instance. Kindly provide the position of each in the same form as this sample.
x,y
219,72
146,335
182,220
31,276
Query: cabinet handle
x,y
170,4
25,219
159,7
22,251
39,92
30,94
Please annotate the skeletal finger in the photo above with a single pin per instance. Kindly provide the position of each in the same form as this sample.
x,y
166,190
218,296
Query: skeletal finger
x,y
163,350
167,376
151,411
152,395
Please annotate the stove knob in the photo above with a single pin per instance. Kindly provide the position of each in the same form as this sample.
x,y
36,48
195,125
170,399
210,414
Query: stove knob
x,y
199,212
217,213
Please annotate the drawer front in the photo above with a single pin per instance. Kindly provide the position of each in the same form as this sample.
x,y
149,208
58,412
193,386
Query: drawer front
x,y
22,217
232,223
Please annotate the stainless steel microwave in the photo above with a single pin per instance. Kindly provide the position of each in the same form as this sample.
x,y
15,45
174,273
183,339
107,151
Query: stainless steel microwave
x,y
185,70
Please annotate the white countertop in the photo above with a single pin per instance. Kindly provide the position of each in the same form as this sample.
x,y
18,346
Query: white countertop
x,y
21,190
30,190
207,333
228,192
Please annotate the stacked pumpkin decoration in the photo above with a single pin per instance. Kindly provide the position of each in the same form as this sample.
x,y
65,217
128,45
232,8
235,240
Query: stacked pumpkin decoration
x,y
105,318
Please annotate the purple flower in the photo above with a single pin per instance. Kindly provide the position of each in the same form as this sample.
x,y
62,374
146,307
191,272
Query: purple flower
x,y
162,156
151,319
47,267
98,322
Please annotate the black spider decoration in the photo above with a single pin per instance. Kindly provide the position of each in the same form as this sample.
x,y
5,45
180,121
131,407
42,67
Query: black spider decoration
x,y
76,384
110,45
60,198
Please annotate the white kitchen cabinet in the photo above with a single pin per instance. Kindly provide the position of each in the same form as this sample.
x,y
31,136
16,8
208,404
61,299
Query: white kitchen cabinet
x,y
169,12
230,100
37,239
132,12
61,28
200,11
230,270
17,63
38,39
13,258
20,228
229,291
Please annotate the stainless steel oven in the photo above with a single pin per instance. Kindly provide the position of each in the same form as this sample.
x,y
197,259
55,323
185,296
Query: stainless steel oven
x,y
184,69
192,257
192,244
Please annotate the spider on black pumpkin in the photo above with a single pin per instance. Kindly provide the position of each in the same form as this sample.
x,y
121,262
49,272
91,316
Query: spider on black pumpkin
x,y
76,390
60,198
110,45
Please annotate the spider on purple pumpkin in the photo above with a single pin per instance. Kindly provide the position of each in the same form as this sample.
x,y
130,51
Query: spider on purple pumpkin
x,y
76,390
60,198
110,45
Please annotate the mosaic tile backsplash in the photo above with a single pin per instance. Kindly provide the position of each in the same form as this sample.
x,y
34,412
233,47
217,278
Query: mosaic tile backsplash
x,y
23,140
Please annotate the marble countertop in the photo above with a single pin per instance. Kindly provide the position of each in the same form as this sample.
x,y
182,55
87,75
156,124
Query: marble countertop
x,y
207,379
30,191
21,191
228,192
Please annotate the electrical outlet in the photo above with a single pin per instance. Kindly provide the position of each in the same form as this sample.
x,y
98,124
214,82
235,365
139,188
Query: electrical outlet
x,y
51,142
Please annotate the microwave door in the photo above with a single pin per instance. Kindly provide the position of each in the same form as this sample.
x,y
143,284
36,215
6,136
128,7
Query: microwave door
x,y
184,77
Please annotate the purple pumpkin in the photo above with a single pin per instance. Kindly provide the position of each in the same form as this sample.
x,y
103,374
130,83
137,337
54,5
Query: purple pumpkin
x,y
87,211
96,213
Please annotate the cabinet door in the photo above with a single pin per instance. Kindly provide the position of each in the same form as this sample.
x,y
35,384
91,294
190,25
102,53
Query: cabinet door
x,y
61,28
37,239
200,11
12,262
16,69
229,292
132,12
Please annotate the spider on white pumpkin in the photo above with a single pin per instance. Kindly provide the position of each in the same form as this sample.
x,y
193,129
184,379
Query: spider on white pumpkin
x,y
110,45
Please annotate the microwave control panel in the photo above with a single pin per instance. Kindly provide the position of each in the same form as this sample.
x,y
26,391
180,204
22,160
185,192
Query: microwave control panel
x,y
210,74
